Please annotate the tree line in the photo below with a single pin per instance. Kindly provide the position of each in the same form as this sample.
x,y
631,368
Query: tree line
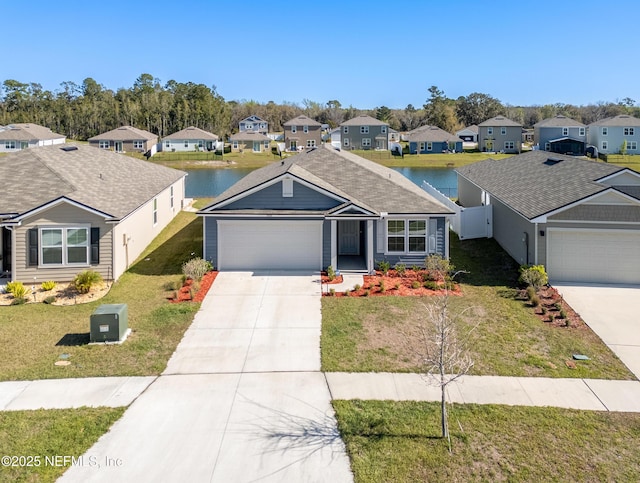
x,y
81,111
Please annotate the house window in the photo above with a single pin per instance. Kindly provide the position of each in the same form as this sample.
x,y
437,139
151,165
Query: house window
x,y
395,235
417,236
266,144
547,146
364,129
604,145
509,145
383,129
629,131
103,144
632,145
171,197
248,126
429,146
345,129
263,126
406,236
139,144
422,146
235,144
10,145
64,246
167,144
489,130
200,143
366,142
605,131
155,211
294,129
311,143
186,143
305,129
503,131
345,142
581,131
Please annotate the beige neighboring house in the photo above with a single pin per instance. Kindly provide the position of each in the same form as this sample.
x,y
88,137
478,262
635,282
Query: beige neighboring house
x,y
15,137
249,141
301,133
66,209
190,139
126,139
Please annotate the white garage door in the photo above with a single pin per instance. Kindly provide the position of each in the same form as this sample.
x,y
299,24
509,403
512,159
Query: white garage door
x,y
269,244
606,256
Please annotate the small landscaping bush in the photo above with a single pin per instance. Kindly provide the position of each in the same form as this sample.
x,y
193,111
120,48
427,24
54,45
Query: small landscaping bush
x,y
430,284
49,300
384,267
357,287
401,268
416,284
84,281
366,293
48,285
347,292
415,268
534,276
169,286
331,273
438,267
535,300
17,289
196,268
332,291
19,301
382,287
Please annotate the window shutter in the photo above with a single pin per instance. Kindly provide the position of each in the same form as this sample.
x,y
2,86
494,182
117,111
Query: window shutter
x,y
380,236
95,245
33,247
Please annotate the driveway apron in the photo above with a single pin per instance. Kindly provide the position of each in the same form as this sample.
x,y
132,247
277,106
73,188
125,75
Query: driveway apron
x,y
242,398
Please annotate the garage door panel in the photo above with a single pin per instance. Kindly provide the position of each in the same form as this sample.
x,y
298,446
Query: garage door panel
x,y
605,256
269,245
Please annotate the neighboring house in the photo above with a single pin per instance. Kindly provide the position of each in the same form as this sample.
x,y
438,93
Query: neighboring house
x,y
432,139
608,135
336,137
500,134
394,136
254,123
15,137
190,139
527,135
302,132
364,132
469,134
562,135
578,218
70,208
249,141
319,208
126,139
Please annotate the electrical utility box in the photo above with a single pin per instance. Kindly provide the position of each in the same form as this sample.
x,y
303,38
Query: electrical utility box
x,y
109,323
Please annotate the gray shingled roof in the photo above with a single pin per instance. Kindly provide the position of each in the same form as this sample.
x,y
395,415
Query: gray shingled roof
x,y
621,121
431,134
125,133
302,120
473,128
192,132
364,121
559,121
100,179
362,182
249,136
533,188
27,132
499,121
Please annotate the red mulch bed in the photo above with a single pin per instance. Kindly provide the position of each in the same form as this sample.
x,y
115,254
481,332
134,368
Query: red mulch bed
x,y
326,281
395,284
184,294
549,313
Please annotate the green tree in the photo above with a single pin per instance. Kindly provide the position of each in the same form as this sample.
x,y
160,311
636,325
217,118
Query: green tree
x,y
477,107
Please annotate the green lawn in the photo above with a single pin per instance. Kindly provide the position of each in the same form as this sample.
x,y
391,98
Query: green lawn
x,y
34,336
399,442
427,160
380,334
42,435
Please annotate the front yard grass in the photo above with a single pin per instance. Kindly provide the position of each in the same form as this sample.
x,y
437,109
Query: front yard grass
x,y
57,432
34,336
380,334
399,442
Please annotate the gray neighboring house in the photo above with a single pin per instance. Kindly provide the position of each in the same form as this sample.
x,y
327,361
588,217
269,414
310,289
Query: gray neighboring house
x,y
69,208
500,134
15,137
561,134
578,218
302,132
364,132
126,139
255,124
319,208
609,134
190,139
431,140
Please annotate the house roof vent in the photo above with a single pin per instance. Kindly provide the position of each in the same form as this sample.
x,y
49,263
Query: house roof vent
x,y
69,148
552,161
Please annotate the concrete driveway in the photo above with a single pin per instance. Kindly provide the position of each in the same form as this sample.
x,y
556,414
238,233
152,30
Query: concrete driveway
x,y
242,398
612,312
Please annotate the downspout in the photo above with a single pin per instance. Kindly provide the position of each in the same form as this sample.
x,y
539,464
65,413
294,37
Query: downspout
x,y
535,244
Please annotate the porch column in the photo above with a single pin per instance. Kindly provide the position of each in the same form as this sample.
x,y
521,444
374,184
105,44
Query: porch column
x,y
334,244
370,265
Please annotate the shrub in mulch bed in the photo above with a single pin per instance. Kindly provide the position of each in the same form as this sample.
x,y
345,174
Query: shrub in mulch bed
x,y
325,279
188,291
553,310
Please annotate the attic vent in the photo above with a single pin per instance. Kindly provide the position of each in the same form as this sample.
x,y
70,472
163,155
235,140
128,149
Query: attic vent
x,y
69,148
552,161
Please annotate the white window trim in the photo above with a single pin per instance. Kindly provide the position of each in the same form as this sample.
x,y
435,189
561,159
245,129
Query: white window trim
x,y
305,129
345,129
406,236
565,131
429,146
509,145
503,131
489,130
235,144
311,143
581,131
632,145
605,131
345,142
138,144
547,146
422,146
294,129
383,129
628,131
103,144
605,145
366,142
364,129
64,247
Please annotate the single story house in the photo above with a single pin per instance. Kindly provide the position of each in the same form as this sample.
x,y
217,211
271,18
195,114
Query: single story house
x,y
126,139
68,208
15,137
319,208
432,139
579,218
249,141
190,139
469,134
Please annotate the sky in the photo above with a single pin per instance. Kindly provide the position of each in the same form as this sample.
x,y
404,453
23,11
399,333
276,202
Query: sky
x,y
364,54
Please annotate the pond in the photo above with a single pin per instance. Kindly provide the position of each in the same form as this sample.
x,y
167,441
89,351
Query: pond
x,y
212,182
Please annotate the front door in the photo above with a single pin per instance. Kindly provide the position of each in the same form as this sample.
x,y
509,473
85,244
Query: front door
x,y
349,242
5,252
256,146
380,144
293,145
118,146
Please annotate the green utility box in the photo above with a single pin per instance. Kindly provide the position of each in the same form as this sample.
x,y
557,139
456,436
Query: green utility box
x,y
109,323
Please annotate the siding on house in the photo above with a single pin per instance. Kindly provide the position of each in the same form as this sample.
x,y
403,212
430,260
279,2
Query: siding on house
x,y
608,135
270,198
491,137
379,240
